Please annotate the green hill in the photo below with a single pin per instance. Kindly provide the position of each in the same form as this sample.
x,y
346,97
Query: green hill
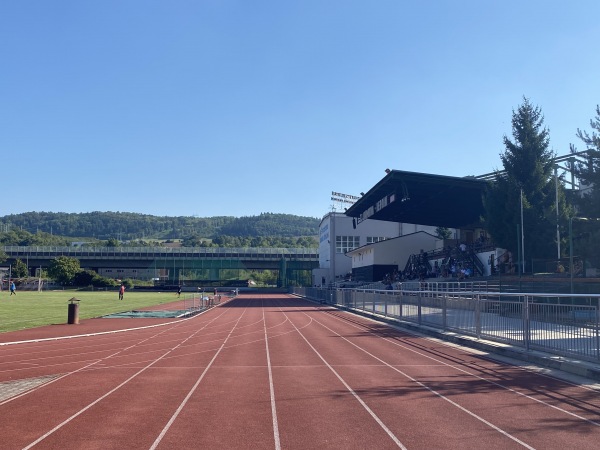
x,y
268,229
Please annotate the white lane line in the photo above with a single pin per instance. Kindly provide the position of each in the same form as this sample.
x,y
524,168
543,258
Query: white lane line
x,y
95,363
99,333
191,392
271,387
433,391
98,400
479,377
347,386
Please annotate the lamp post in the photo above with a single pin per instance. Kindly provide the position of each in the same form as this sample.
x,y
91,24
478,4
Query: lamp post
x,y
571,250
333,242
556,207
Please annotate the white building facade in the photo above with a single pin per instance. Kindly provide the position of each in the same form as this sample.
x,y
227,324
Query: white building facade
x,y
339,234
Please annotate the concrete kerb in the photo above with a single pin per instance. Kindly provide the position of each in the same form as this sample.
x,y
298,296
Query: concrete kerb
x,y
572,366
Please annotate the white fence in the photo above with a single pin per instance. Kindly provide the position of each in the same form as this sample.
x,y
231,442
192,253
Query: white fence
x,y
563,324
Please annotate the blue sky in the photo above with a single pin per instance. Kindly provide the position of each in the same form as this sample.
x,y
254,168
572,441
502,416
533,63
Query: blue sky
x,y
218,107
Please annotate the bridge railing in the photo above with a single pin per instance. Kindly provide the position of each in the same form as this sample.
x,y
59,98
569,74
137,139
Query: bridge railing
x,y
217,252
562,324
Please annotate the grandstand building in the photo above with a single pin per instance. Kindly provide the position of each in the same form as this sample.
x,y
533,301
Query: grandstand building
x,y
385,228
339,234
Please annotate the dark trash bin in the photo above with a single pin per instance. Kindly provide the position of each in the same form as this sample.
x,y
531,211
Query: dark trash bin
x,y
73,316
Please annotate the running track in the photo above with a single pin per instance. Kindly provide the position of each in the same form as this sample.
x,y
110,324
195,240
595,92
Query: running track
x,y
275,371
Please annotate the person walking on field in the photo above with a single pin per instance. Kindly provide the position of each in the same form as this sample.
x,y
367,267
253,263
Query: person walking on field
x,y
121,292
13,288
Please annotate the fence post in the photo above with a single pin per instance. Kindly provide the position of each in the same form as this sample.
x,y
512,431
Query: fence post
x,y
478,315
445,311
526,323
385,307
597,332
419,304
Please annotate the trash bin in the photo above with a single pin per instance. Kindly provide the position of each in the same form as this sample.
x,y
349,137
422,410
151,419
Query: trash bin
x,y
73,316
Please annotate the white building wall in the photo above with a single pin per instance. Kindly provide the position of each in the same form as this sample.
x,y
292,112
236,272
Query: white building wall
x,y
335,224
335,266
395,251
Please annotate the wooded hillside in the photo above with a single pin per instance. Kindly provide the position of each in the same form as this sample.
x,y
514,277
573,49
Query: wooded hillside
x,y
267,228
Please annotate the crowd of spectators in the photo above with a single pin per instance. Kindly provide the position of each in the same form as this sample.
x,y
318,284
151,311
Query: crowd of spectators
x,y
456,262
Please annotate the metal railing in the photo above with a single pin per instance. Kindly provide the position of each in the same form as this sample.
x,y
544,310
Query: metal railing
x,y
249,252
561,324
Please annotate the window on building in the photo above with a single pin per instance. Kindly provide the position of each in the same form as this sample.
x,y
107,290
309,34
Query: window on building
x,y
344,244
373,239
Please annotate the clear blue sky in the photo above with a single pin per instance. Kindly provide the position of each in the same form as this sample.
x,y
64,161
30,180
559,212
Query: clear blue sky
x,y
218,107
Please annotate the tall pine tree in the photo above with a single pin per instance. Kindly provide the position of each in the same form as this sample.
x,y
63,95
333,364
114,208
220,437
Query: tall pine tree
x,y
589,174
586,234
528,168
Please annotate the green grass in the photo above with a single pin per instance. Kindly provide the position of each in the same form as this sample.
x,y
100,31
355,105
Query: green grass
x,y
33,309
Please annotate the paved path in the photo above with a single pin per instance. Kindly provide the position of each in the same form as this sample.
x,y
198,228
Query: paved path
x,y
275,371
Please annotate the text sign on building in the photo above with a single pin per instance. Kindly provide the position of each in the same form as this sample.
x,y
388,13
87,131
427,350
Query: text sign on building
x,y
378,206
343,198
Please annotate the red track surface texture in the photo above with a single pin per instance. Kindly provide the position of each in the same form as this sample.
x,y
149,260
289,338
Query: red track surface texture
x,y
271,372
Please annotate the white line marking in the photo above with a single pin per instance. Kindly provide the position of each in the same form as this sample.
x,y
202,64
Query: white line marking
x,y
68,420
363,404
271,387
433,391
191,392
460,369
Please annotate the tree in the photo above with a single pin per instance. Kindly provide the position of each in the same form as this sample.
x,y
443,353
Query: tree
x,y
63,269
19,269
112,242
586,234
443,233
589,173
528,168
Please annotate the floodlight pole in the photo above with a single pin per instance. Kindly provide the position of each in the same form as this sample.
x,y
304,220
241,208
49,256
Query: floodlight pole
x,y
557,215
333,243
571,251
522,236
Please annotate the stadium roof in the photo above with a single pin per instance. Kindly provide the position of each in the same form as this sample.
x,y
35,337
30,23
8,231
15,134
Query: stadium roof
x,y
424,199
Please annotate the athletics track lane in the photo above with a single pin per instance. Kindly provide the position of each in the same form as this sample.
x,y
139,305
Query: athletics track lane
x,y
322,379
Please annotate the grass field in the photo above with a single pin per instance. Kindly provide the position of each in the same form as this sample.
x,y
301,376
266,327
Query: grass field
x,y
33,309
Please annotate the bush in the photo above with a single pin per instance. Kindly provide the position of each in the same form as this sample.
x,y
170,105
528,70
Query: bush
x,y
91,278
128,282
100,281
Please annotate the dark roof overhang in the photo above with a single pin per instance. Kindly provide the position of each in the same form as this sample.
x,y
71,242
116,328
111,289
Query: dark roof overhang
x,y
424,199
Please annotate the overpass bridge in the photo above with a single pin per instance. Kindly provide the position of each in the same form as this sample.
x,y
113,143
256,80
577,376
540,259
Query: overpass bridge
x,y
174,265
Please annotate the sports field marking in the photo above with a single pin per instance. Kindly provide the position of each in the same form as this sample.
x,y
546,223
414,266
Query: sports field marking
x,y
466,372
99,399
271,387
354,394
81,369
60,338
191,392
433,391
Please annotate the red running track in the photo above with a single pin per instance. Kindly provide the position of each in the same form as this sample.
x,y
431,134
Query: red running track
x,y
275,371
